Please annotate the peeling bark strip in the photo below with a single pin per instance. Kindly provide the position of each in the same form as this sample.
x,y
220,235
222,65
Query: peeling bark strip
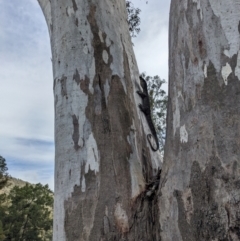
x,y
63,81
75,135
201,173
75,8
102,160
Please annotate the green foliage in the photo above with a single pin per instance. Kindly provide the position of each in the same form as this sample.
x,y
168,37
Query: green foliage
x,y
158,102
3,172
133,19
3,207
2,236
26,213
29,215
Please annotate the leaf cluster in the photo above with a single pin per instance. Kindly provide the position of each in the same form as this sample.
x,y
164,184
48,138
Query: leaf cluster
x,y
3,172
133,19
4,177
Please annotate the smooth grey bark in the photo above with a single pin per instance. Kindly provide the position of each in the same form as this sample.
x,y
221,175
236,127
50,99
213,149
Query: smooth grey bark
x,y
200,182
103,162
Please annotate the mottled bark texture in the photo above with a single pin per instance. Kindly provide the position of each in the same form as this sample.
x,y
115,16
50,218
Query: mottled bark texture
x,y
104,167
200,183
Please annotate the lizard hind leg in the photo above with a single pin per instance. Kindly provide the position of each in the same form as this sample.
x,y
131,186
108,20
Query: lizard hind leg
x,y
143,109
141,94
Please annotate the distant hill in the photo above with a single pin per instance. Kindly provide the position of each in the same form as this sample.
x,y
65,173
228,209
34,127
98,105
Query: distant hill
x,y
12,182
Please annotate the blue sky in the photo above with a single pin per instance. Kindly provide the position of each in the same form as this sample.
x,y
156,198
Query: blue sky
x,y
26,94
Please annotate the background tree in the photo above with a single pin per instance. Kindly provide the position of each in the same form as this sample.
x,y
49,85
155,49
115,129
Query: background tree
x,y
133,19
29,215
3,172
4,177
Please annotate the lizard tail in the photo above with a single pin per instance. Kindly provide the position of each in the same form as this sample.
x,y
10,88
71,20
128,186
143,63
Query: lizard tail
x,y
149,136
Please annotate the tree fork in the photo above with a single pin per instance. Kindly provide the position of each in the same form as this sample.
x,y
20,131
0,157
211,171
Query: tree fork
x,y
102,157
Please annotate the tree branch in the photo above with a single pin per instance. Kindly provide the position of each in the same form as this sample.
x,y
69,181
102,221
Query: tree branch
x,y
46,8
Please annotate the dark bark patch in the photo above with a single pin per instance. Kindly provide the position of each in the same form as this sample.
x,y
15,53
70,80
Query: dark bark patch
x,y
110,125
76,77
201,46
239,27
205,223
221,101
98,46
84,85
77,209
100,103
187,56
63,82
75,135
207,220
98,98
195,62
75,8
183,225
233,63
76,22
212,91
195,28
210,219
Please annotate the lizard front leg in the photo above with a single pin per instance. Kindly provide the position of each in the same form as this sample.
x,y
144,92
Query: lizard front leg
x,y
141,94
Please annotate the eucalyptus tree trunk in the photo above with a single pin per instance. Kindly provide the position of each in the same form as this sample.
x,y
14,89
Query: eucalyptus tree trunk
x,y
200,182
103,160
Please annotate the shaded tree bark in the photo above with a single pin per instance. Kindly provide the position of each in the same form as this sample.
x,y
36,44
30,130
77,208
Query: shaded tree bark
x,y
103,160
200,195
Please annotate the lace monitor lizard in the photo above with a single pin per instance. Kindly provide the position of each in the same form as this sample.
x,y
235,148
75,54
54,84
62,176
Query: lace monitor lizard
x,y
146,109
